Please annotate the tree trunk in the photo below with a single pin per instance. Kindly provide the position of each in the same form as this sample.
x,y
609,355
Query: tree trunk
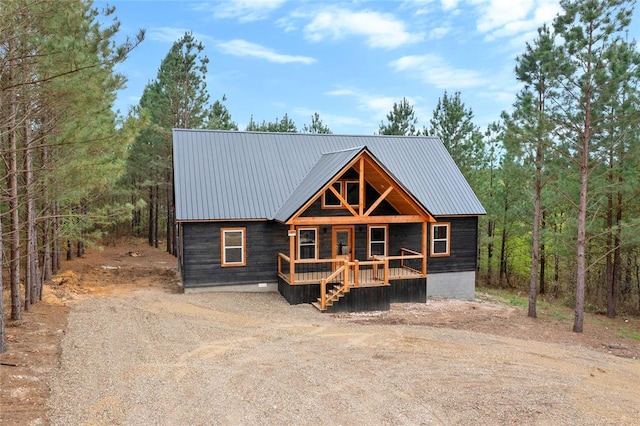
x,y
14,205
543,256
156,217
69,250
578,324
32,284
55,262
490,231
168,225
3,333
151,215
503,243
535,246
47,272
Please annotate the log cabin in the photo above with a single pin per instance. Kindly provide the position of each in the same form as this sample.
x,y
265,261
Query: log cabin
x,y
346,223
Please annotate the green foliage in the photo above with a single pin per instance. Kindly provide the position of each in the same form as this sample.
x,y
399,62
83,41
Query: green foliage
x,y
284,125
452,122
316,126
219,117
401,120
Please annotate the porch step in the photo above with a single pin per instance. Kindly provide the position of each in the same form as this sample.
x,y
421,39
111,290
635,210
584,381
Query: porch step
x,y
333,296
317,305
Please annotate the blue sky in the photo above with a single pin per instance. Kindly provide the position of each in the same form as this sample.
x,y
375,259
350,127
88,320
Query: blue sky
x,y
348,61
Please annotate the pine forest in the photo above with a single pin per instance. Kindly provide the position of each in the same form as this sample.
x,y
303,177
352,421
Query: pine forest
x,y
558,174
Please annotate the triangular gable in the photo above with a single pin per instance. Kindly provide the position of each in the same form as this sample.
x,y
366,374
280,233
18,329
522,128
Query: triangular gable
x,y
330,168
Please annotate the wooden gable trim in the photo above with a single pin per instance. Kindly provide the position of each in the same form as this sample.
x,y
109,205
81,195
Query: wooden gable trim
x,y
400,189
343,201
361,160
379,200
361,186
356,220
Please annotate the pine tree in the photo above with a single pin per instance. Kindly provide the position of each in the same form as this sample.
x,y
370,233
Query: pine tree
x,y
316,126
401,120
588,29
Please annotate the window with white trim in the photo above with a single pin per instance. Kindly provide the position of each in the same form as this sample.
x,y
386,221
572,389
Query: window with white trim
x,y
377,240
307,243
233,246
352,192
440,236
329,199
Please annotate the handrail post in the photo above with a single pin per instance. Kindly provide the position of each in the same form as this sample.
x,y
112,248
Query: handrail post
x,y
292,271
356,273
386,271
279,265
346,274
374,268
323,294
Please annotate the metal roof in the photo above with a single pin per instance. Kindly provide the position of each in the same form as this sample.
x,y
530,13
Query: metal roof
x,y
228,175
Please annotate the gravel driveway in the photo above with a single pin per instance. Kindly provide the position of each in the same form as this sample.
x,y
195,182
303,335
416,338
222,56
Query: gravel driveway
x,y
251,359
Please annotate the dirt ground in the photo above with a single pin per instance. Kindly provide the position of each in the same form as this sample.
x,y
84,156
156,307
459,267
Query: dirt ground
x,y
35,343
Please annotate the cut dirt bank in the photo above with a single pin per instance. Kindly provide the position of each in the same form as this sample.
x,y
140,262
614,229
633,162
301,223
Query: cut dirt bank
x,y
140,353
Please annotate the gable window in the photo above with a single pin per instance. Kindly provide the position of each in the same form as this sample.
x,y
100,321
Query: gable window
x,y
377,240
440,236
329,199
352,192
233,246
307,243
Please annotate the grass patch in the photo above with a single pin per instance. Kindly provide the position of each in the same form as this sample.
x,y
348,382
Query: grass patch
x,y
543,307
628,334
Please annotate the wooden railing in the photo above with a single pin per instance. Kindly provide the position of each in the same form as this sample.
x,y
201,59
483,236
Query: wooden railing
x,y
344,287
382,268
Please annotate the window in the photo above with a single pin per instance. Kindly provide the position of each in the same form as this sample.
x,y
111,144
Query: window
x,y
352,192
329,199
232,246
377,236
307,243
440,239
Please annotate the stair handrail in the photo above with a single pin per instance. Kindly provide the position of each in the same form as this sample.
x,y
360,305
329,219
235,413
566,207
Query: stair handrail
x,y
323,283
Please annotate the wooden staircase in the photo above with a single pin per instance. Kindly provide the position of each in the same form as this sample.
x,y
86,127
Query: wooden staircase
x,y
333,296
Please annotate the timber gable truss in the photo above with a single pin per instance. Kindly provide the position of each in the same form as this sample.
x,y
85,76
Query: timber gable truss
x,y
369,171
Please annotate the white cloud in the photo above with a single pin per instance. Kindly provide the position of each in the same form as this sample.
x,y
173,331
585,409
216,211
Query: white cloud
x,y
243,10
379,29
333,121
239,47
506,18
379,106
449,4
439,32
434,70
171,34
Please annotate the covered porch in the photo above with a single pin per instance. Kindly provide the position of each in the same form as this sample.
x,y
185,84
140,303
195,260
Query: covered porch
x,y
324,282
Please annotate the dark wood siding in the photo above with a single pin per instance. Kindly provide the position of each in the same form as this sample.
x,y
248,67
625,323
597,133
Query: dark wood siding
x,y
411,290
201,253
463,247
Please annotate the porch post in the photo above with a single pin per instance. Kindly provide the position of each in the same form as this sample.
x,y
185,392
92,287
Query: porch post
x,y
292,254
424,248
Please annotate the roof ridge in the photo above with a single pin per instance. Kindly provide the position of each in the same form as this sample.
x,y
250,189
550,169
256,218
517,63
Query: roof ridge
x,y
355,148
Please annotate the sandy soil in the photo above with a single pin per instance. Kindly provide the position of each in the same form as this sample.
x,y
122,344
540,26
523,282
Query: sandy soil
x,y
136,351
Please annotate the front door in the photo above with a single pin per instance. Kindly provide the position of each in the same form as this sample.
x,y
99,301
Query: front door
x,y
343,243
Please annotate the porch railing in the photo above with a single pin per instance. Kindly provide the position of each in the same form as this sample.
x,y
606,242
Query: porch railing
x,y
378,269
409,262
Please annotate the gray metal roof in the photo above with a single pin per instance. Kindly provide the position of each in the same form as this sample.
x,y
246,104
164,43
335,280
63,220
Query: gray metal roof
x,y
231,175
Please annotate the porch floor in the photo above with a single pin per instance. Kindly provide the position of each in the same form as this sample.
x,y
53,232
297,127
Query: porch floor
x,y
367,277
